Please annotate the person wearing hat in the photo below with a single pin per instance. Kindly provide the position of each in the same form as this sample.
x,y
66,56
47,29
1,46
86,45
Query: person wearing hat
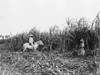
x,y
31,40
82,51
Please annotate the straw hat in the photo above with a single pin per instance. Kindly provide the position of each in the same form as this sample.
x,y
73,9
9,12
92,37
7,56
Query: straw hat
x,y
31,35
82,40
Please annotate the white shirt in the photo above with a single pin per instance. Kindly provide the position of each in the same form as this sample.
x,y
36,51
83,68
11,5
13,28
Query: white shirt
x,y
31,40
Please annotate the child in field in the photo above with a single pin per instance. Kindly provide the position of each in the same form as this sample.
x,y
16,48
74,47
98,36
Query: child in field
x,y
82,51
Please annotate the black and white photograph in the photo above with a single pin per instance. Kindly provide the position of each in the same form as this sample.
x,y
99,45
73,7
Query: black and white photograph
x,y
49,37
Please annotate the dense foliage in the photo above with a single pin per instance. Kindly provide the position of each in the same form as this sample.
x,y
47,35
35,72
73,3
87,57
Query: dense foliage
x,y
57,56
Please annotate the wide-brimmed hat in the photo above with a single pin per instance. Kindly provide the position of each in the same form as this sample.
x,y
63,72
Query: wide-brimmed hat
x,y
82,40
31,35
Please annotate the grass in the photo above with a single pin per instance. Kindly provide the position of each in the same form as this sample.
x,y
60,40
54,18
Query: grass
x,y
56,56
